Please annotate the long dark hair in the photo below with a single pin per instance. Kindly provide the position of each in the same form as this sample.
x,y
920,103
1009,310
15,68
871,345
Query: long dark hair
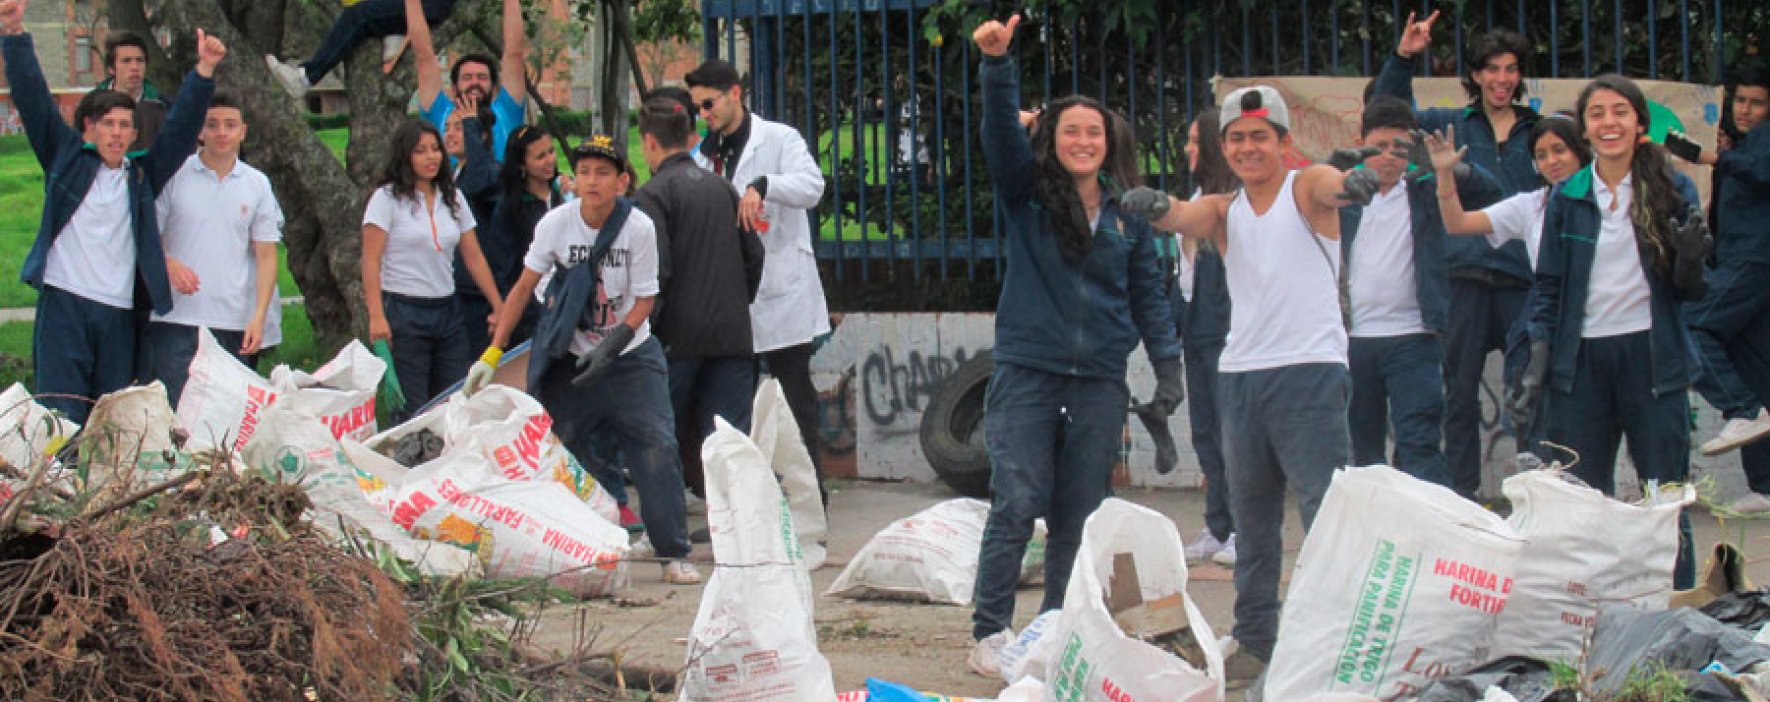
x,y
1064,214
1212,176
512,179
1657,201
397,171
1562,126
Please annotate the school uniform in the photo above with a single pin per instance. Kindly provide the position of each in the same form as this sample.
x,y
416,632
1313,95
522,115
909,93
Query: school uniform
x,y
97,261
211,223
429,343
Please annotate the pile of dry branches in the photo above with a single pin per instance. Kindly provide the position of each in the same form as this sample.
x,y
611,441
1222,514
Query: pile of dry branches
x,y
214,592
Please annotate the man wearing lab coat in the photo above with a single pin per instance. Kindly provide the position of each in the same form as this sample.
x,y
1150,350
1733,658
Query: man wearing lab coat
x,y
777,181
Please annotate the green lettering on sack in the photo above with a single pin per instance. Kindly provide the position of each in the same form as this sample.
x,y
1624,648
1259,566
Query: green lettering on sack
x,y
1072,672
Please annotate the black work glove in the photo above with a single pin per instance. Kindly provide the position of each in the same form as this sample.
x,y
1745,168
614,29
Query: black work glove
x,y
1144,202
1683,147
1691,238
1167,456
1170,387
1360,188
1691,244
1524,397
597,361
1348,159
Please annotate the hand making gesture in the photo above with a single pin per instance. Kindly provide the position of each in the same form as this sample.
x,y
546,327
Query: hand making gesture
x,y
993,37
1417,37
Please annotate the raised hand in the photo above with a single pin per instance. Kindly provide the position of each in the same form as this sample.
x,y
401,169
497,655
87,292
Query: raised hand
x,y
993,37
1417,37
12,16
1443,149
210,52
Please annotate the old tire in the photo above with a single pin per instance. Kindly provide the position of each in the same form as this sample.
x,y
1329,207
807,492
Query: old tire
x,y
952,429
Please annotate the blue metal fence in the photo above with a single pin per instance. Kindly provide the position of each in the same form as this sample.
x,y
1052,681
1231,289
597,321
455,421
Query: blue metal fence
x,y
886,99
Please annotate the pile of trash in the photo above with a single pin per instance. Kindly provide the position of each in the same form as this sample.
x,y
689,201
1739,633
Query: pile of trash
x,y
253,545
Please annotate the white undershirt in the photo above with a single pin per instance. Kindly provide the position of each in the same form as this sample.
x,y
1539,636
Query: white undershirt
x,y
1385,294
94,257
1284,282
1618,300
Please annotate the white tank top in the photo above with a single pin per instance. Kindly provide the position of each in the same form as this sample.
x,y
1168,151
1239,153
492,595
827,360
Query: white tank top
x,y
1284,288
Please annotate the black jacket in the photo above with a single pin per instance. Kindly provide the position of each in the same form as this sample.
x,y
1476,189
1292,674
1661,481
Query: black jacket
x,y
478,183
708,268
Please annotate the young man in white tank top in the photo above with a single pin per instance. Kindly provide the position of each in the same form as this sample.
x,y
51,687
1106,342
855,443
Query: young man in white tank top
x,y
1283,386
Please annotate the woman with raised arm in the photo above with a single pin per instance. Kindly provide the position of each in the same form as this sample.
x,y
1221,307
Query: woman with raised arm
x,y
1081,289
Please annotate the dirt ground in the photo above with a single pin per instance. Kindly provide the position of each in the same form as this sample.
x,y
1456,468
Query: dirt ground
x,y
924,645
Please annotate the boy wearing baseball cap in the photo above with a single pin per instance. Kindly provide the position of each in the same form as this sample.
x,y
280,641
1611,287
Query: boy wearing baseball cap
x,y
600,315
1282,385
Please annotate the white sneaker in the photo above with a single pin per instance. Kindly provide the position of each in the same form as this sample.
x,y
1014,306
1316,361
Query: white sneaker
x,y
1225,556
292,77
986,656
681,573
1737,433
1204,548
391,46
1752,505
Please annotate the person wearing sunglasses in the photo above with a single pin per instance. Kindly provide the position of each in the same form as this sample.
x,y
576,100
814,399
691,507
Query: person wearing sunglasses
x,y
778,182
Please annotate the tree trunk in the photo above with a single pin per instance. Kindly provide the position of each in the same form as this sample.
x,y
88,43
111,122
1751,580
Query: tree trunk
x,y
612,109
322,202
260,20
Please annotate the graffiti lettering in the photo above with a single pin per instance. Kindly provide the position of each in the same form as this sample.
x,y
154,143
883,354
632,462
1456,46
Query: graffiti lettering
x,y
889,388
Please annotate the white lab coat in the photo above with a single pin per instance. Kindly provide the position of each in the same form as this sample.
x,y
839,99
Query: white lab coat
x,y
789,308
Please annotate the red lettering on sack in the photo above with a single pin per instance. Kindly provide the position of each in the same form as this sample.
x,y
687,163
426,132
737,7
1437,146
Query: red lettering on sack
x,y
405,513
351,421
528,444
578,550
505,457
482,507
1113,692
257,399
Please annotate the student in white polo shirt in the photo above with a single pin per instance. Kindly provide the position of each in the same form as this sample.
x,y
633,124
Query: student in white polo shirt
x,y
219,224
411,227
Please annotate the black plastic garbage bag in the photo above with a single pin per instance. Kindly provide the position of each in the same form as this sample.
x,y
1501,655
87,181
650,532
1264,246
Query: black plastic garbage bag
x,y
1527,679
1746,610
1680,639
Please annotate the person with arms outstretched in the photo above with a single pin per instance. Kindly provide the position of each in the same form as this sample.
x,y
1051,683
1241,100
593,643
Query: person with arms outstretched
x,y
1282,383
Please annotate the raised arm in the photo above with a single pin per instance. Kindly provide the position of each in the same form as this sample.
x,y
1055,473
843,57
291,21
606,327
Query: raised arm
x,y
430,75
479,173
178,136
36,107
513,73
1445,157
1006,147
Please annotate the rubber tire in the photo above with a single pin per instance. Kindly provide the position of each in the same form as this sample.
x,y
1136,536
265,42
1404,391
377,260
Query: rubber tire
x,y
952,428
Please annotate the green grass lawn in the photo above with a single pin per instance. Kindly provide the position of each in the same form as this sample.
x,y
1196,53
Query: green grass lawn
x,y
297,349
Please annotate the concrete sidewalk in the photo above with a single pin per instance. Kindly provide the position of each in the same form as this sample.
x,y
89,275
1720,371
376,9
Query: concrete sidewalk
x,y
919,644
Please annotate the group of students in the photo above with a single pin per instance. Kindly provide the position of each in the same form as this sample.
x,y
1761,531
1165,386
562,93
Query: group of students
x,y
1330,312
650,312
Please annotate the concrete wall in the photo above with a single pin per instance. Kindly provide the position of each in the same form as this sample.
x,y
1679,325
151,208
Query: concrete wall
x,y
877,373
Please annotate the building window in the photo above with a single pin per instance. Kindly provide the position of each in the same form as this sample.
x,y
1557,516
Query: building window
x,y
83,54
